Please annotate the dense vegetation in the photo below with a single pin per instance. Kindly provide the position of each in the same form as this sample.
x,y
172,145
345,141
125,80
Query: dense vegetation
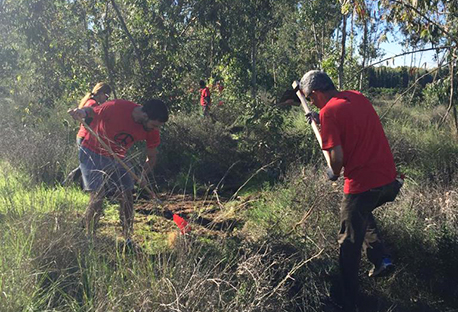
x,y
256,162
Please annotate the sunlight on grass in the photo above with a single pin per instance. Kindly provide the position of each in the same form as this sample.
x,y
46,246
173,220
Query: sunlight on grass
x,y
19,197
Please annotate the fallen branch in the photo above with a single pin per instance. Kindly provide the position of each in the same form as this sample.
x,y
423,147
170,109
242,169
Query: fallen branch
x,y
289,275
249,179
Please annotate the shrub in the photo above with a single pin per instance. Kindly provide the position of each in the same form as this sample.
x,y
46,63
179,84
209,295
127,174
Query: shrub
x,y
199,146
242,140
436,93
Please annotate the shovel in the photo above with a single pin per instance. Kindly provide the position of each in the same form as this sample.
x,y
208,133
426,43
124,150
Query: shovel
x,y
179,221
314,125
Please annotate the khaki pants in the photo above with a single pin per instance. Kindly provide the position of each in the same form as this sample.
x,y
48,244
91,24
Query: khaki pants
x,y
358,230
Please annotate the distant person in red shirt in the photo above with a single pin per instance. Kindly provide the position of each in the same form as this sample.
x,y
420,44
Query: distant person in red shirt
x,y
353,136
99,95
119,124
205,98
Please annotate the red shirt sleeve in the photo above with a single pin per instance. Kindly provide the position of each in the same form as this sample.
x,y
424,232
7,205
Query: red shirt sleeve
x,y
99,111
90,103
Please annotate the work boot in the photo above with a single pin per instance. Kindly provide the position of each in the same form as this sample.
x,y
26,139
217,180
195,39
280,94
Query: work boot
x,y
385,268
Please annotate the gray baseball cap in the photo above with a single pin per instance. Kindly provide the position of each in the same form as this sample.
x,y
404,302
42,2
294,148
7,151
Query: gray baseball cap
x,y
315,80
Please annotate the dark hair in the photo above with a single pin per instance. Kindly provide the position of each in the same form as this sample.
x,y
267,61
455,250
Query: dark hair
x,y
202,84
156,110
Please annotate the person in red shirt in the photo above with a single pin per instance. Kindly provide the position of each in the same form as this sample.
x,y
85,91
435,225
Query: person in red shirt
x,y
99,95
118,124
205,98
353,136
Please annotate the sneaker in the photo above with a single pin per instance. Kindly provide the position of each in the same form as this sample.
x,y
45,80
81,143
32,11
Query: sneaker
x,y
384,269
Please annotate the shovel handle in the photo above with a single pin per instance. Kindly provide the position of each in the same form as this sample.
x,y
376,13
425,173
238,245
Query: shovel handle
x,y
314,125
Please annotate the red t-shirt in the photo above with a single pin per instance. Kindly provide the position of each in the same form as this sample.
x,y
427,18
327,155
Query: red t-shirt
x,y
204,92
82,131
349,120
114,124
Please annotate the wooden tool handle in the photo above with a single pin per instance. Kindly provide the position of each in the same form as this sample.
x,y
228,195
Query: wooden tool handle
x,y
314,125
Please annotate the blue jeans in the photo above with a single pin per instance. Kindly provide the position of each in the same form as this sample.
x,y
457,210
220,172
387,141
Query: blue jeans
x,y
103,173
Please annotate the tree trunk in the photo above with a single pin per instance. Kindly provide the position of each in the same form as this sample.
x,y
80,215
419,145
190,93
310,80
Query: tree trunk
x,y
210,70
253,64
317,44
106,53
352,32
322,47
365,39
342,55
132,41
452,89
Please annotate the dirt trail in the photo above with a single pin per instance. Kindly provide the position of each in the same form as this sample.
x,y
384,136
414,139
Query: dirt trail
x,y
203,214
207,217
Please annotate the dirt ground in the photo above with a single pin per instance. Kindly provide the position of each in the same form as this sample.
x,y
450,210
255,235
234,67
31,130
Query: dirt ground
x,y
154,227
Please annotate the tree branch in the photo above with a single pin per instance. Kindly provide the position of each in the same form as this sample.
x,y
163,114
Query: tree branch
x,y
425,17
123,24
402,54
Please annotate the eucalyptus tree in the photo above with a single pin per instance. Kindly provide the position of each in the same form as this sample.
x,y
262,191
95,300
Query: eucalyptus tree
x,y
429,22
243,28
50,51
374,33
303,41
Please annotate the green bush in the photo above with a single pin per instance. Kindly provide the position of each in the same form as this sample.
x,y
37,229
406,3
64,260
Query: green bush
x,y
242,138
205,149
436,93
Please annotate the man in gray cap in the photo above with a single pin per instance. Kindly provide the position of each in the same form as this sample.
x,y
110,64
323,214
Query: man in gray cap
x,y
353,135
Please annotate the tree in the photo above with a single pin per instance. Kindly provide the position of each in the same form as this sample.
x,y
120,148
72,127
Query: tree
x,y
429,22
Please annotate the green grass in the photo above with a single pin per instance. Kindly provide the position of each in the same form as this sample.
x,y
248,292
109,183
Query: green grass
x,y
48,264
424,149
19,196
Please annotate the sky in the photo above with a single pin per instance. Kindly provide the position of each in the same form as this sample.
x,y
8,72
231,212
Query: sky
x,y
392,47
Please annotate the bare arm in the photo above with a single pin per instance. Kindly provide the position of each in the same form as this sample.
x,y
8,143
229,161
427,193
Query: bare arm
x,y
151,156
80,113
336,159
